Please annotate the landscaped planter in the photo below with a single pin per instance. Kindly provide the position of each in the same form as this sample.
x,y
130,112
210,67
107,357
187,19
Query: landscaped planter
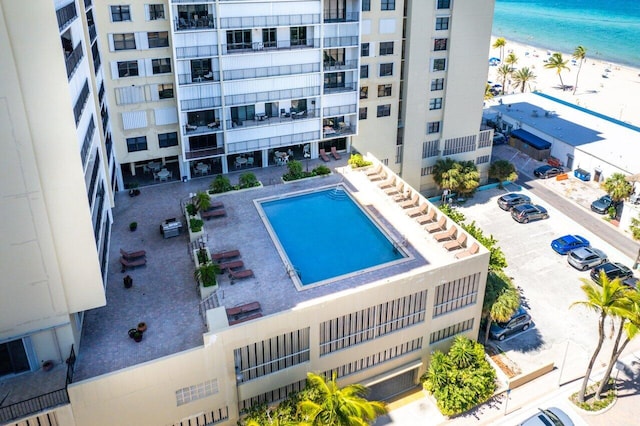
x,y
193,236
212,194
306,178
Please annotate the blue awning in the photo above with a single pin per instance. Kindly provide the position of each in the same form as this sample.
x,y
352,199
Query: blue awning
x,y
531,139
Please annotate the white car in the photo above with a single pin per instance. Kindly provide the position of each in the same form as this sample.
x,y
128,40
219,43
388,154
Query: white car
x,y
551,416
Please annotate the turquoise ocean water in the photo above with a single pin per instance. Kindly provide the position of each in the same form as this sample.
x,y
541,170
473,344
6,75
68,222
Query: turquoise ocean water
x,y
609,29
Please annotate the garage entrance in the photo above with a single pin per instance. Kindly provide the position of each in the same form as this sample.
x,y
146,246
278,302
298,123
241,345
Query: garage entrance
x,y
393,386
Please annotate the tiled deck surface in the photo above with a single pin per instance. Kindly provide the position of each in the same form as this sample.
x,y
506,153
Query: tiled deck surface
x,y
164,293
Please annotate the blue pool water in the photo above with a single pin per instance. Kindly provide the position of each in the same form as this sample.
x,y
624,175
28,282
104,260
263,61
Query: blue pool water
x,y
326,235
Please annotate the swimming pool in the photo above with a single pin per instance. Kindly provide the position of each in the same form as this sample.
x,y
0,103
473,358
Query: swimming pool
x,y
325,234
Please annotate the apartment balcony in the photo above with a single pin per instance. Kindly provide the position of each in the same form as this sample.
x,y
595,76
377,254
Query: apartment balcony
x,y
202,103
203,129
335,15
66,15
196,51
273,71
346,41
269,21
199,154
272,142
73,59
340,65
339,110
272,96
210,77
194,24
336,128
273,120
252,47
349,87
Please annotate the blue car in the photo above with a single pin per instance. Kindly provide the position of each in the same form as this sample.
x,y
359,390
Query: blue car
x,y
564,245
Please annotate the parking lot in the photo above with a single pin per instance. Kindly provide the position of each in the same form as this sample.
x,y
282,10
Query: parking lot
x,y
548,284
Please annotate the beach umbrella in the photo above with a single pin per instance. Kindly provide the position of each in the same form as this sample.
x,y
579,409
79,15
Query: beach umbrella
x,y
494,59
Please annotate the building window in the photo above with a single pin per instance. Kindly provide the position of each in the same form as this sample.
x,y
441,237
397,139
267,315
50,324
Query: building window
x,y
334,80
456,294
435,103
443,4
364,49
459,145
386,48
452,330
195,392
362,113
137,144
433,127
165,91
384,110
13,358
384,90
128,69
386,70
333,58
437,84
298,36
439,64
125,41
430,148
238,39
156,11
366,5
158,39
426,171
166,140
387,4
120,13
440,44
364,92
364,71
442,23
161,66
483,159
269,37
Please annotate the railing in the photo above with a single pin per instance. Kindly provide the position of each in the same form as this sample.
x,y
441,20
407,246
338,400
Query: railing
x,y
81,102
196,51
86,144
340,16
344,41
273,95
105,120
92,33
202,103
190,79
343,65
250,47
344,88
202,153
66,15
40,402
335,111
338,131
203,23
272,120
272,142
73,60
270,71
269,21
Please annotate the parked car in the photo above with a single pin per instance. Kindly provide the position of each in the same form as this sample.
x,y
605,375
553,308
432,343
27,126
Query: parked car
x,y
499,139
602,204
507,201
552,416
565,244
586,258
525,213
519,321
545,172
632,282
612,270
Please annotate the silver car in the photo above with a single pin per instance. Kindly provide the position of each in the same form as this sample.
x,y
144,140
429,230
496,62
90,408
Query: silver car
x,y
548,416
586,258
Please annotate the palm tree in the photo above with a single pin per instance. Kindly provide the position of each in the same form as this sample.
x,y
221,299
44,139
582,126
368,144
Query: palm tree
x,y
617,187
327,404
557,62
504,71
580,55
511,59
524,76
501,300
503,170
499,44
487,92
605,300
444,174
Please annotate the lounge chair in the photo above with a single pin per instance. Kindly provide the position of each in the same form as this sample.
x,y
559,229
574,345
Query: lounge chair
x,y
335,153
324,156
234,264
373,172
449,234
216,205
458,243
237,275
132,263
131,255
208,214
468,252
247,318
390,181
410,203
225,255
247,308
395,190
438,226
428,218
417,211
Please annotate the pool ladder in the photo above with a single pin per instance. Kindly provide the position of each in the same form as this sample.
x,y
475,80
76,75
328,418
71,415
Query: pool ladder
x,y
292,270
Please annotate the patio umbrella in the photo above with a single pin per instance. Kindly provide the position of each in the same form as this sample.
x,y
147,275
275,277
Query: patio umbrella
x,y
494,60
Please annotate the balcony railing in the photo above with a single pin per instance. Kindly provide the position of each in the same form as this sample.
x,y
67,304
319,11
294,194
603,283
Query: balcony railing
x,y
344,88
203,153
271,71
271,96
211,77
345,41
66,15
196,51
343,129
73,60
251,47
335,111
92,33
272,142
269,21
202,23
86,143
81,102
203,103
343,65
41,402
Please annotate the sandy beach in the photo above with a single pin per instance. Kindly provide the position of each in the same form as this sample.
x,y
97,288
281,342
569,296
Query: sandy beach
x,y
608,88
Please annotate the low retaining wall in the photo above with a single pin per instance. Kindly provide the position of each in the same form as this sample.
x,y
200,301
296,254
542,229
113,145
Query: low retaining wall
x,y
526,378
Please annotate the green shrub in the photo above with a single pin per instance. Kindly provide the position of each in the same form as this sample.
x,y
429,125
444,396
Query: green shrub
x,y
201,201
206,274
452,212
321,170
356,161
497,260
202,256
295,171
195,225
248,180
191,209
635,227
220,184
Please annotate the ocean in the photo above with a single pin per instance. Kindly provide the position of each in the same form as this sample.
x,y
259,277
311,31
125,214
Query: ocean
x,y
608,29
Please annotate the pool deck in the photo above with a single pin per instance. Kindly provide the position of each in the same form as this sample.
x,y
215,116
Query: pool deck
x,y
164,293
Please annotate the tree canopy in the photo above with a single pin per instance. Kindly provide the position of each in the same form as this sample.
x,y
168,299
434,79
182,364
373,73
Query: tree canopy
x,y
461,177
617,187
558,63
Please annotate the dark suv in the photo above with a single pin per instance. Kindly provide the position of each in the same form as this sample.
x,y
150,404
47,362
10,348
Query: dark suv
x,y
507,201
613,270
545,172
519,321
524,213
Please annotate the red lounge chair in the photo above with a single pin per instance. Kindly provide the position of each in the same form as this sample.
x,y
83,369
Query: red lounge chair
x,y
449,234
439,226
456,244
335,153
243,309
471,250
131,255
208,214
324,155
132,263
231,265
248,318
237,275
225,255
